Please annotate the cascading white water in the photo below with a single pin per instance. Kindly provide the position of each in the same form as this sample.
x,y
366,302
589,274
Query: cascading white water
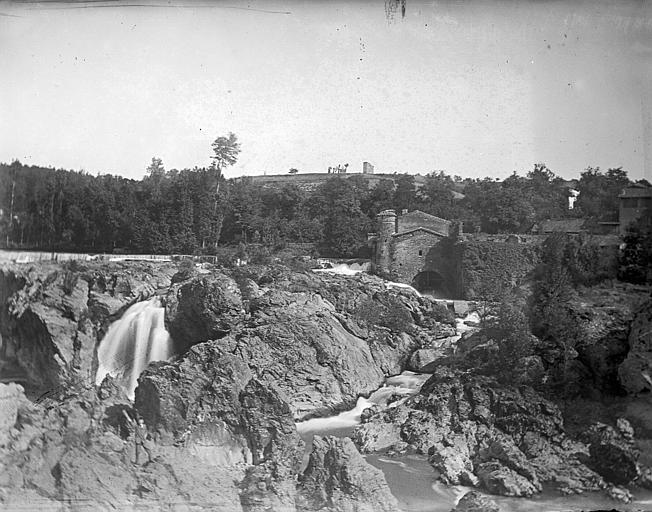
x,y
391,284
342,269
407,383
132,342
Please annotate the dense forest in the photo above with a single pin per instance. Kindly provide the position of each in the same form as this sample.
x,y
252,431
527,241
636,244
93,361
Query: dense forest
x,y
193,210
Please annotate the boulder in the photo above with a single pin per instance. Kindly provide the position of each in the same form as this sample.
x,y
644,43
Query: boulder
x,y
613,453
473,501
338,478
426,359
635,373
11,396
205,308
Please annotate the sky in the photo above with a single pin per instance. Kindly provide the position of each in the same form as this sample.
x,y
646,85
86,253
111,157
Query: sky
x,y
474,88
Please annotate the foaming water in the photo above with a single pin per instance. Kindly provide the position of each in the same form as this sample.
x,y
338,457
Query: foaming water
x,y
342,269
132,342
405,384
391,284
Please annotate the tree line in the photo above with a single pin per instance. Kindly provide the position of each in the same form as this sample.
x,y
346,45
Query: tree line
x,y
193,210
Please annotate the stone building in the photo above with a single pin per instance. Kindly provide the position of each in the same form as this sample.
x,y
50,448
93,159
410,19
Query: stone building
x,y
406,248
635,202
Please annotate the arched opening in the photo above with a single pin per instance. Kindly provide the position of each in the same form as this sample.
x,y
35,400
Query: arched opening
x,y
431,283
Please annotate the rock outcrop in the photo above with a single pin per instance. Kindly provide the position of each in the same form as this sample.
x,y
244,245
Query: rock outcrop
x,y
613,453
635,373
473,501
506,439
337,478
74,454
320,340
204,308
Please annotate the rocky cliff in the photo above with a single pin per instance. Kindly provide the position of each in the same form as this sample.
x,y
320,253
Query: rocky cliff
x,y
52,316
320,340
265,346
259,348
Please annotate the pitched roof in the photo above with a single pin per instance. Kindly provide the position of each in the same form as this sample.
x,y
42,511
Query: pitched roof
x,y
424,215
636,190
409,231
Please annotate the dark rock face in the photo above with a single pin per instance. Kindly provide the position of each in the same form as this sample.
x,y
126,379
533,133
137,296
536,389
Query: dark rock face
x,y
53,316
613,453
605,347
635,373
204,308
507,439
338,478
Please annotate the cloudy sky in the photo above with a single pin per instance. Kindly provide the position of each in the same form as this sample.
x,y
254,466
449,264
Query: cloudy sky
x,y
473,88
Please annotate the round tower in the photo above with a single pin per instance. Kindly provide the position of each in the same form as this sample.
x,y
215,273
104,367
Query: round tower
x,y
386,228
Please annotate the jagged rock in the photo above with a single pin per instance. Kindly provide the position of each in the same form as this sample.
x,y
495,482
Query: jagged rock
x,y
202,309
336,351
331,366
476,431
613,455
498,479
69,452
426,359
619,494
52,315
604,345
529,370
10,394
473,501
635,373
645,478
337,478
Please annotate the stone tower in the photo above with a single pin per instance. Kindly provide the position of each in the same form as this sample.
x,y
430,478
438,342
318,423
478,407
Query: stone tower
x,y
386,228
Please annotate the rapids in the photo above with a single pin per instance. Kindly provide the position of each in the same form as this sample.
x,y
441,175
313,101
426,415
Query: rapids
x,y
413,481
132,342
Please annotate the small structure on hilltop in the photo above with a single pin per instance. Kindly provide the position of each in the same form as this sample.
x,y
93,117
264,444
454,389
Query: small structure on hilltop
x,y
405,246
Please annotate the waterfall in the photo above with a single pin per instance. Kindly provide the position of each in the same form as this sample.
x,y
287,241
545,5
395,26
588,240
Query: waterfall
x,y
132,342
391,284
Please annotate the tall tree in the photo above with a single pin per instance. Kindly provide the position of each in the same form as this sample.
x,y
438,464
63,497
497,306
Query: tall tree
x,y
599,192
226,151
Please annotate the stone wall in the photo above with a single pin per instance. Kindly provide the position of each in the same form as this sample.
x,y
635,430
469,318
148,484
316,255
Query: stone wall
x,y
410,252
481,263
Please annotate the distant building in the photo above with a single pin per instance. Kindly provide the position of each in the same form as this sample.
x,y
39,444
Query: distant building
x,y
572,197
367,168
635,203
